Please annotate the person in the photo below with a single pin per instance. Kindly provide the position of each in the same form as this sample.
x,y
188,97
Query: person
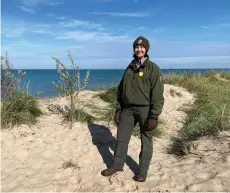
x,y
139,100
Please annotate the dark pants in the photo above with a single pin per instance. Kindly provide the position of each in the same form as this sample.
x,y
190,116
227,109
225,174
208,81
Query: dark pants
x,y
130,115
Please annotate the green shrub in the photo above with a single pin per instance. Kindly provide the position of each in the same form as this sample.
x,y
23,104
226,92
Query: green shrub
x,y
19,109
79,115
110,95
69,85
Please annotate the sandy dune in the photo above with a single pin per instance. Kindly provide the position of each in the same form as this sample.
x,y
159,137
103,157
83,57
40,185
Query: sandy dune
x,y
51,157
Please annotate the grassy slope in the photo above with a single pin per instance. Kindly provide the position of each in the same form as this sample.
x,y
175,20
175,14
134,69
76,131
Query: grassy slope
x,y
211,111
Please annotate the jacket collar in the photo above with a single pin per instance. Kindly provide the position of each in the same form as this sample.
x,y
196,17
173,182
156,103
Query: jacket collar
x,y
140,61
133,65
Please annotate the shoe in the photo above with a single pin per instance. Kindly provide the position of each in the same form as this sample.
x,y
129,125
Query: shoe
x,y
141,177
110,171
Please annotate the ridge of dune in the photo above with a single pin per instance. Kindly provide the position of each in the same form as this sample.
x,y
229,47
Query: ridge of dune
x,y
50,157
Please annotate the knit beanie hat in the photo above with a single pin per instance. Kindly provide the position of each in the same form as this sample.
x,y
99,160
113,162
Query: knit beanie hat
x,y
141,41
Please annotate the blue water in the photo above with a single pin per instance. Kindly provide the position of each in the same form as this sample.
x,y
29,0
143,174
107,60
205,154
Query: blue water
x,y
41,80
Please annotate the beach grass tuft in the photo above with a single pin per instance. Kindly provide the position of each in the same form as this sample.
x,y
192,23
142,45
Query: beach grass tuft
x,y
19,109
17,106
79,115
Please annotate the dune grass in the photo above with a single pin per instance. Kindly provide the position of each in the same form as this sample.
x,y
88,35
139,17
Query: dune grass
x,y
78,115
218,74
211,111
19,109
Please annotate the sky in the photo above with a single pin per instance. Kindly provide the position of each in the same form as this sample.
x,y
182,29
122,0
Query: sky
x,y
100,33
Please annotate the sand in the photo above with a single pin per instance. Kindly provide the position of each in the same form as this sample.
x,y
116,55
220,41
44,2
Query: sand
x,y
50,157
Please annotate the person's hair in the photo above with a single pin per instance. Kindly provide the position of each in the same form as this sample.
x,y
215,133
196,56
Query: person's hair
x,y
146,55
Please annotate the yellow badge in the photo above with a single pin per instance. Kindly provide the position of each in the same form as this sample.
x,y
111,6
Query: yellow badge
x,y
139,41
141,73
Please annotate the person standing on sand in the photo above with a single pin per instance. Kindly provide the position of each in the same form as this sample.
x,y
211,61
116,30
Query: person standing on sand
x,y
139,99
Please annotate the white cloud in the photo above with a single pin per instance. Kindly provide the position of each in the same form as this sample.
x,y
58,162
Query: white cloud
x,y
38,31
216,26
75,23
42,2
20,28
12,32
62,18
194,62
188,49
83,36
204,26
52,3
158,30
43,25
102,51
42,32
141,28
20,44
101,29
225,24
120,14
78,35
50,15
28,10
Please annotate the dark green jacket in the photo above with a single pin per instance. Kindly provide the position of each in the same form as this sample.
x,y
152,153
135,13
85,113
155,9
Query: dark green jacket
x,y
142,86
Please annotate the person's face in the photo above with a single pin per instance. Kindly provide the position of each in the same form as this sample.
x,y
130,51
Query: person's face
x,y
140,51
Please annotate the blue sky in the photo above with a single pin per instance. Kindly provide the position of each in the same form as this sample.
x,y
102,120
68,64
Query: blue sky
x,y
100,33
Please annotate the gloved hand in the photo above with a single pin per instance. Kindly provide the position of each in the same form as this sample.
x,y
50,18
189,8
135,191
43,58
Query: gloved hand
x,y
117,117
151,124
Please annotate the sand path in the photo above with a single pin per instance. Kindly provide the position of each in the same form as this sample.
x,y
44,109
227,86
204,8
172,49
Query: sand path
x,y
51,157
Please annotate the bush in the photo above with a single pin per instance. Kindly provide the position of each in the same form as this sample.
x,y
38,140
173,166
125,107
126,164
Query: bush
x,y
17,106
79,115
225,75
18,109
10,81
110,95
69,85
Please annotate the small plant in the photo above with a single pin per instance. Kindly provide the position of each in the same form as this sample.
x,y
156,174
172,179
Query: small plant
x,y
9,81
17,106
70,164
174,92
225,75
210,74
70,85
18,109
79,115
110,95
179,147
